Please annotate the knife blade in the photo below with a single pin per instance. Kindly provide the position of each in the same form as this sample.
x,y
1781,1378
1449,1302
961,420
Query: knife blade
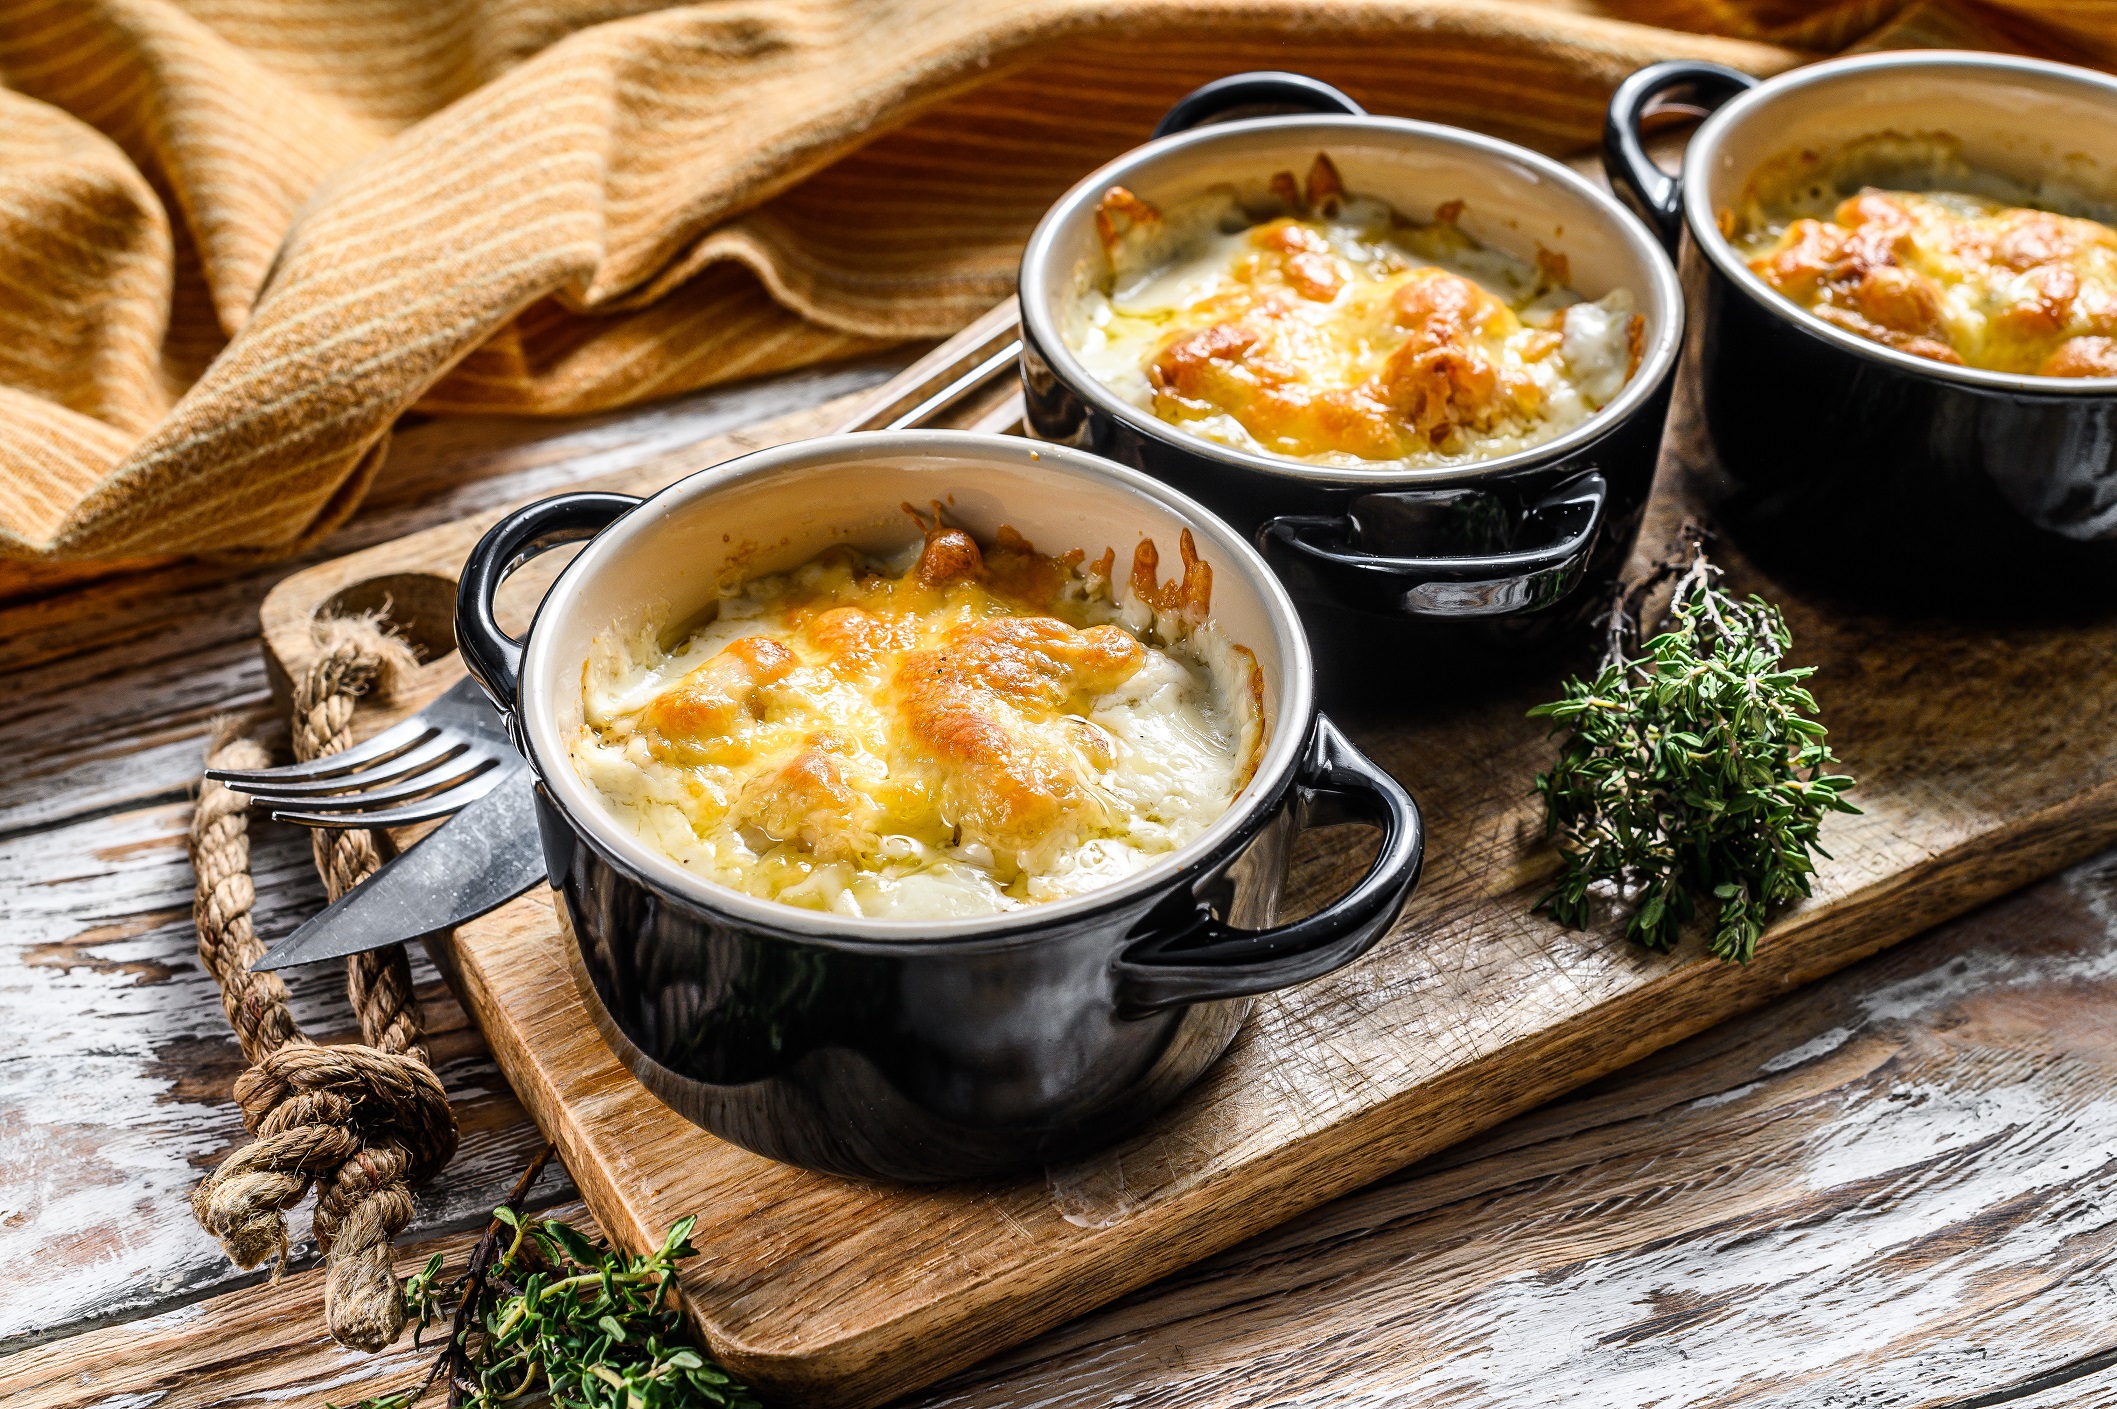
x,y
476,861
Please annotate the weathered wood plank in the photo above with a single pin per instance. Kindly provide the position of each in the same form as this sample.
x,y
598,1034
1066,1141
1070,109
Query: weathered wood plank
x,y
2095,1388
116,1071
254,1346
1985,761
1890,1189
1894,1188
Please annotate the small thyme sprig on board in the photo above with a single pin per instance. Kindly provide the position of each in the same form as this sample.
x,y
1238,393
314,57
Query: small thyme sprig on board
x,y
542,1308
1694,769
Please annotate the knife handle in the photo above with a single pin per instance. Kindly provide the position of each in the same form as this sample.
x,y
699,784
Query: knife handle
x,y
489,653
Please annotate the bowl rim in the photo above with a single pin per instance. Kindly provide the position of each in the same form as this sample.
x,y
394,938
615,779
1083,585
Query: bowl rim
x,y
597,823
1704,226
1034,286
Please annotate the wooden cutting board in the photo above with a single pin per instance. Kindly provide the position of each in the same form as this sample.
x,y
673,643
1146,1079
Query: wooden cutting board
x,y
1987,756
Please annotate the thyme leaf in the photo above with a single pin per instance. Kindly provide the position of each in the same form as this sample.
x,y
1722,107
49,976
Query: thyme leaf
x,y
1693,774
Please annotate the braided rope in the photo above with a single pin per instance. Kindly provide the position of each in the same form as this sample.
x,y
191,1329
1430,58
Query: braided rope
x,y
359,1123
228,945
357,656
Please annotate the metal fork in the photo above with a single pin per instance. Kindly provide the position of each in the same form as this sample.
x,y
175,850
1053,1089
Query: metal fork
x,y
449,754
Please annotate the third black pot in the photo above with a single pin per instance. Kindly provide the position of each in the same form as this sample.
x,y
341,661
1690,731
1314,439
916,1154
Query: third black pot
x,y
1852,464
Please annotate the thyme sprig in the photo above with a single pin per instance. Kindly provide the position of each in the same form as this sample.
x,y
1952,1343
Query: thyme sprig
x,y
1693,769
543,1308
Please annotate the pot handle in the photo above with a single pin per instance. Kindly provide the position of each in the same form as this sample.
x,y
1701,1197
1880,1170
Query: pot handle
x,y
1255,90
1197,959
1466,585
1659,195
489,653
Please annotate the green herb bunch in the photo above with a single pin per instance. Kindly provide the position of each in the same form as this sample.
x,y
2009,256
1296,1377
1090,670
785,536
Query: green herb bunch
x,y
1695,769
557,1314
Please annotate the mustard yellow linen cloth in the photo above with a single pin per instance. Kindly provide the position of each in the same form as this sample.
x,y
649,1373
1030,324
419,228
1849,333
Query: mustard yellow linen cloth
x,y
238,238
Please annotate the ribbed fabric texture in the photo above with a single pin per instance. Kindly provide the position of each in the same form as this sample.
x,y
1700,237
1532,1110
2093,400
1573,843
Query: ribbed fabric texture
x,y
238,238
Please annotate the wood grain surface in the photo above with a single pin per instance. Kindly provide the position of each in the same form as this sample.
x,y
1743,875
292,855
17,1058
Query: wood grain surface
x,y
1960,1179
258,1345
1987,758
1891,1189
1897,1188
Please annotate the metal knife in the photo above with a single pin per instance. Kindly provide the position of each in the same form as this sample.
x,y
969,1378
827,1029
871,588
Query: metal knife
x,y
476,861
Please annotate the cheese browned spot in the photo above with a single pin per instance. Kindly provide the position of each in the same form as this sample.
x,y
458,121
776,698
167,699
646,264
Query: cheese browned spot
x,y
807,801
980,726
1121,215
1325,188
855,643
1016,572
2082,357
1188,597
1442,377
1306,260
701,709
972,705
1953,278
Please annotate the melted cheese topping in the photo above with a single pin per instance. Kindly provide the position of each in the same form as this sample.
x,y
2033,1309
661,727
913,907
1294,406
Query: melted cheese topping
x,y
976,731
1340,334
1957,278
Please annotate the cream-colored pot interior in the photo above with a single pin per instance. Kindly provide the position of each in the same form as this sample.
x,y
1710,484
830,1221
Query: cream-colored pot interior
x,y
778,508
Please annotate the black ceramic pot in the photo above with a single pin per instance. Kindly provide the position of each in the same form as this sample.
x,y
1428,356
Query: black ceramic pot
x,y
1850,462
952,1048
1509,552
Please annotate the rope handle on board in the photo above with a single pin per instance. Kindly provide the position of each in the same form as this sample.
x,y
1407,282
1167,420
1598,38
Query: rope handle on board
x,y
358,1122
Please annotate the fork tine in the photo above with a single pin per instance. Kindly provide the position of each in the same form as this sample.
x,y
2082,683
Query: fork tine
x,y
439,805
457,770
444,746
394,740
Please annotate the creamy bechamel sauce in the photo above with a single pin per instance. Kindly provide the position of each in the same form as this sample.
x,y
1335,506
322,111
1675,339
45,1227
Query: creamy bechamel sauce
x,y
960,731
1952,276
1338,333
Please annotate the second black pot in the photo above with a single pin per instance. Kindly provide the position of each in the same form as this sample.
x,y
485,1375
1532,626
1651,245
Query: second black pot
x,y
1395,570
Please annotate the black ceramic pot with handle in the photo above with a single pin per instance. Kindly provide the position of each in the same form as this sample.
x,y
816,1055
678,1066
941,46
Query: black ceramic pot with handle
x,y
1853,463
950,1048
1394,568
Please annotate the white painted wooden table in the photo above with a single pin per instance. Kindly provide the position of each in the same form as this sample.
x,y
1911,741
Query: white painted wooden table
x,y
1896,1188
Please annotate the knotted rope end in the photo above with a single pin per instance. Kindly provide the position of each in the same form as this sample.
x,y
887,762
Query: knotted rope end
x,y
246,1214
361,1298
